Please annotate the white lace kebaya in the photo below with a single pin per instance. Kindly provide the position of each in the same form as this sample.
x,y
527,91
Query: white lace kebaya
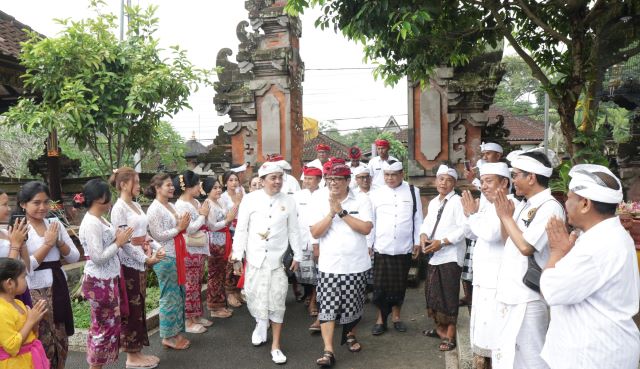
x,y
98,241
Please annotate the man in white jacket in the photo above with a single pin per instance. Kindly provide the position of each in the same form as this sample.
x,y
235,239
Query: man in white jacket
x,y
267,223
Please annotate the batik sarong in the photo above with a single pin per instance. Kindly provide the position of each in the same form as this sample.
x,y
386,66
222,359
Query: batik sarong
x,y
307,272
171,298
442,292
103,338
52,335
133,334
266,291
194,264
216,262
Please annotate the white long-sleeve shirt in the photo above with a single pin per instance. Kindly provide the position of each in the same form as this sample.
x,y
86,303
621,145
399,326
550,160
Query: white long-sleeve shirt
x,y
305,210
266,226
376,172
43,278
394,219
451,226
510,289
130,255
197,221
98,240
593,293
162,226
216,220
289,184
487,253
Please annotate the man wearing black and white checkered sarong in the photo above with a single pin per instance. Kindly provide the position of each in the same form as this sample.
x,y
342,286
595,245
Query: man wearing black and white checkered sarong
x,y
397,213
340,224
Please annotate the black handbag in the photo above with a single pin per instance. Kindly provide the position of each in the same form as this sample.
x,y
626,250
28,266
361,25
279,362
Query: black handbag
x,y
531,278
287,260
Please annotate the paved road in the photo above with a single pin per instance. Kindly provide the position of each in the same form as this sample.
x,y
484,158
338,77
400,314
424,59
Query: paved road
x,y
228,344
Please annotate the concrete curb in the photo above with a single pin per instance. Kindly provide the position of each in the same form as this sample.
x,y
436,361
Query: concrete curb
x,y
462,356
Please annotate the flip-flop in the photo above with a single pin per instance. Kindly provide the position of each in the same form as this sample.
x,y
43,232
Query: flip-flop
x,y
447,345
352,341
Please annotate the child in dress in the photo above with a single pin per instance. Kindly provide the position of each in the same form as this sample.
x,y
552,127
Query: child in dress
x,y
19,347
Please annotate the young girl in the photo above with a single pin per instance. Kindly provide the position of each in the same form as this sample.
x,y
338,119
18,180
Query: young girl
x,y
12,242
19,347
101,284
231,198
167,227
48,243
218,222
141,251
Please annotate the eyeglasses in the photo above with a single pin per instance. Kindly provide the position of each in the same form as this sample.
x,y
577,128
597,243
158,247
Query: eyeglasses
x,y
364,178
334,179
514,175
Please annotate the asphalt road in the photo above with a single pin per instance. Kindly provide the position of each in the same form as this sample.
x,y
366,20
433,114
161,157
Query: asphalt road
x,y
227,344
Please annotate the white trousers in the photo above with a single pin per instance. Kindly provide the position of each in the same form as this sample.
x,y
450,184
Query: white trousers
x,y
524,327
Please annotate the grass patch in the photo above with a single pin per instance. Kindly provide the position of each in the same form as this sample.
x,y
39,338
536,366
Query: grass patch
x,y
82,311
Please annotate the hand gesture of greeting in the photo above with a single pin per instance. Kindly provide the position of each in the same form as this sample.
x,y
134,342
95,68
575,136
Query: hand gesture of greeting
x,y
51,234
183,221
18,233
334,204
123,236
504,206
469,204
560,240
204,208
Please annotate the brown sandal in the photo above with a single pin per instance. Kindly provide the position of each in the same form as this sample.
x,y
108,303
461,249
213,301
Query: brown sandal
x,y
352,342
327,360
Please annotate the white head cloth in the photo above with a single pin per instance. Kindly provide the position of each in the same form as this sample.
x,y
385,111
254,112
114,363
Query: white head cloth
x,y
590,186
268,168
490,146
239,169
359,170
315,164
514,154
283,164
443,169
396,166
531,165
551,155
500,169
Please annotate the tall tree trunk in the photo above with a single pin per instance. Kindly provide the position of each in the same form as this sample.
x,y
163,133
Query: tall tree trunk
x,y
567,112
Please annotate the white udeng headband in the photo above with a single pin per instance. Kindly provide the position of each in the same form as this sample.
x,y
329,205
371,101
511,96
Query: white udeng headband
x,y
490,146
283,164
360,170
268,168
443,169
396,166
587,185
500,169
531,165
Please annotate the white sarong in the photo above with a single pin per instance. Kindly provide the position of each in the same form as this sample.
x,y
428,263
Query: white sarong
x,y
484,327
266,292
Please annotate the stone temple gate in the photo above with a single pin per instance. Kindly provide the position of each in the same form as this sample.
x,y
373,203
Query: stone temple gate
x,y
262,94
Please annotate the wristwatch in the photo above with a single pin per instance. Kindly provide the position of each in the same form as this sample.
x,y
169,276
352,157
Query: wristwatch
x,y
343,213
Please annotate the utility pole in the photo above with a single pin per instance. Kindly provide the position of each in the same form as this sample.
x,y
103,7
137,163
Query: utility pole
x,y
546,123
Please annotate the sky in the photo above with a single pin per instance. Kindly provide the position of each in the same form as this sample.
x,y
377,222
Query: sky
x,y
351,97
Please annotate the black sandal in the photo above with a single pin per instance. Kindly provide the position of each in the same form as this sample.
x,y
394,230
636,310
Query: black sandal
x,y
447,345
352,341
327,360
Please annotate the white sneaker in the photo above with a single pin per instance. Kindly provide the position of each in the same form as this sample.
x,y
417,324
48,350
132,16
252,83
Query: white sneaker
x,y
256,337
278,357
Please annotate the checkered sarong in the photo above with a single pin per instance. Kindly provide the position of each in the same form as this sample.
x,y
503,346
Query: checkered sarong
x,y
341,296
390,278
467,265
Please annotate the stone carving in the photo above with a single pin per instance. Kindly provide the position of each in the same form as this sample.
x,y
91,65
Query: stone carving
x,y
267,78
457,138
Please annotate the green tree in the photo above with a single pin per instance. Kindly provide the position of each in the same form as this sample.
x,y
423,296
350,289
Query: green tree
x,y
519,93
568,45
104,95
16,148
167,152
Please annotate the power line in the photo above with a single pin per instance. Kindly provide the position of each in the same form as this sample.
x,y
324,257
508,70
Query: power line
x,y
343,68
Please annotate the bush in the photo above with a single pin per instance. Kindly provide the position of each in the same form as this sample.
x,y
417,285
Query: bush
x,y
82,310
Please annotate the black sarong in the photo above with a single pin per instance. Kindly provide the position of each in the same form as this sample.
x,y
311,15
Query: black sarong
x,y
60,299
442,292
390,273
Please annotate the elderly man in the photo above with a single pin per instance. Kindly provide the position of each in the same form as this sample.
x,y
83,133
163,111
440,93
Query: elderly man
x,y
267,223
523,313
375,164
341,221
397,213
491,153
354,154
322,156
484,225
442,233
591,283
307,273
362,178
